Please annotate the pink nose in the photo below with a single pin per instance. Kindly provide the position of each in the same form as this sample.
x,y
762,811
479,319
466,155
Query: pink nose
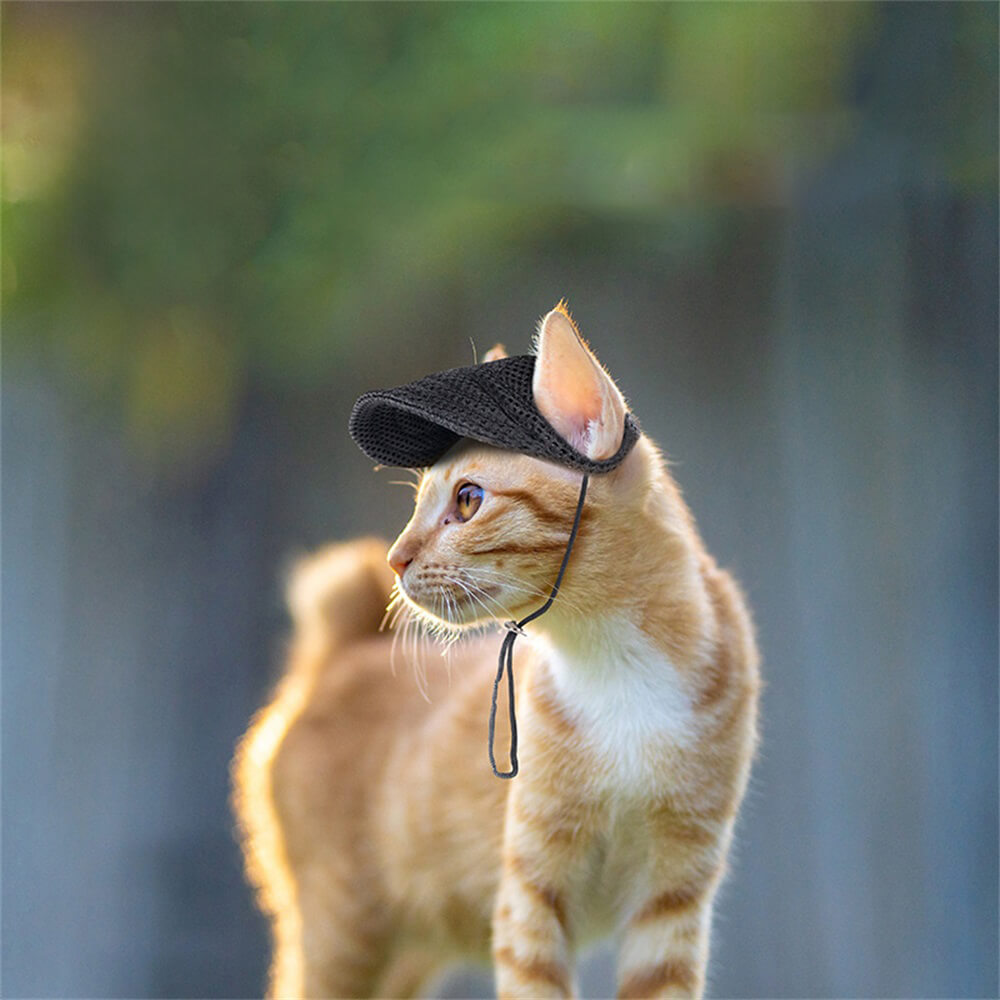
x,y
399,561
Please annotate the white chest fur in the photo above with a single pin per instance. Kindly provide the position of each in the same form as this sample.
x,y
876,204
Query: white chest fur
x,y
627,698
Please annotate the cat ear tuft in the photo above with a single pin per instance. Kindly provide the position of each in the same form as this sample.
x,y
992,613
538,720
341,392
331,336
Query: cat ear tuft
x,y
573,392
496,353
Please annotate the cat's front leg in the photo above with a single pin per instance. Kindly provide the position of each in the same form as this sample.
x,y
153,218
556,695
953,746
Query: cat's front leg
x,y
532,955
664,950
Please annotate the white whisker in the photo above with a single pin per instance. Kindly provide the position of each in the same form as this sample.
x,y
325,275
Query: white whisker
x,y
493,576
476,594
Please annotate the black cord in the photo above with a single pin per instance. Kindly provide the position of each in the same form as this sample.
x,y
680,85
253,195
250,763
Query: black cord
x,y
514,629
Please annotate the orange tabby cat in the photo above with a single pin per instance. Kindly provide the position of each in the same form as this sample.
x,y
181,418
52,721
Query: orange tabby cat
x,y
381,844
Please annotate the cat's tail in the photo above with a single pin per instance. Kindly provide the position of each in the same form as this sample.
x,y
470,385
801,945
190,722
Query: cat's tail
x,y
338,595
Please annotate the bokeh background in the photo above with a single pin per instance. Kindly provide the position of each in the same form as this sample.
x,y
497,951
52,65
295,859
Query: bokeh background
x,y
777,225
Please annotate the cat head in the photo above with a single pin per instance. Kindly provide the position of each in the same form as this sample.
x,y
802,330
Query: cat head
x,y
490,526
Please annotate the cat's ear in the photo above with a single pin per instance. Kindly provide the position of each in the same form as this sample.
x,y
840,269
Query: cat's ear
x,y
573,392
495,353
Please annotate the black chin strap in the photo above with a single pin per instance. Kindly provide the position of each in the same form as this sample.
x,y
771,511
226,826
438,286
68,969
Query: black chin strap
x,y
514,629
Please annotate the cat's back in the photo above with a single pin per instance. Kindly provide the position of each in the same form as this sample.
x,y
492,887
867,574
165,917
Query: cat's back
x,y
727,700
734,684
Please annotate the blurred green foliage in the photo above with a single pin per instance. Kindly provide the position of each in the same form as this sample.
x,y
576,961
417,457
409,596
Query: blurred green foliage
x,y
200,194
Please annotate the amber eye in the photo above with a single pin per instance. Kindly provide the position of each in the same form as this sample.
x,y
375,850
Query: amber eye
x,y
467,500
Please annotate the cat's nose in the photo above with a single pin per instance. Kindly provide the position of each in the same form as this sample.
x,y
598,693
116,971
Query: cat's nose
x,y
399,561
400,556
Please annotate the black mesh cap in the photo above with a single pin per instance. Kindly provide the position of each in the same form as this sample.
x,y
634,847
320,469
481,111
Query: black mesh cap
x,y
415,424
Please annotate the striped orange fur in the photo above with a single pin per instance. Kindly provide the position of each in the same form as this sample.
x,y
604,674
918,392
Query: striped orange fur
x,y
382,847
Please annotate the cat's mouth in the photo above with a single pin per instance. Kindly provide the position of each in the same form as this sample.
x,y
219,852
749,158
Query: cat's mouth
x,y
453,599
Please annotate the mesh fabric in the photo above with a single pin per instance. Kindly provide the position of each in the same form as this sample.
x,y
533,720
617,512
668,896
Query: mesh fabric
x,y
413,425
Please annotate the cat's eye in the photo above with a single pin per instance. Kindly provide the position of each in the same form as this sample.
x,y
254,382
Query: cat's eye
x,y
467,500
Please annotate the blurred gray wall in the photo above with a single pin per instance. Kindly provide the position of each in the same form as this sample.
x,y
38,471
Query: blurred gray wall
x,y
825,381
